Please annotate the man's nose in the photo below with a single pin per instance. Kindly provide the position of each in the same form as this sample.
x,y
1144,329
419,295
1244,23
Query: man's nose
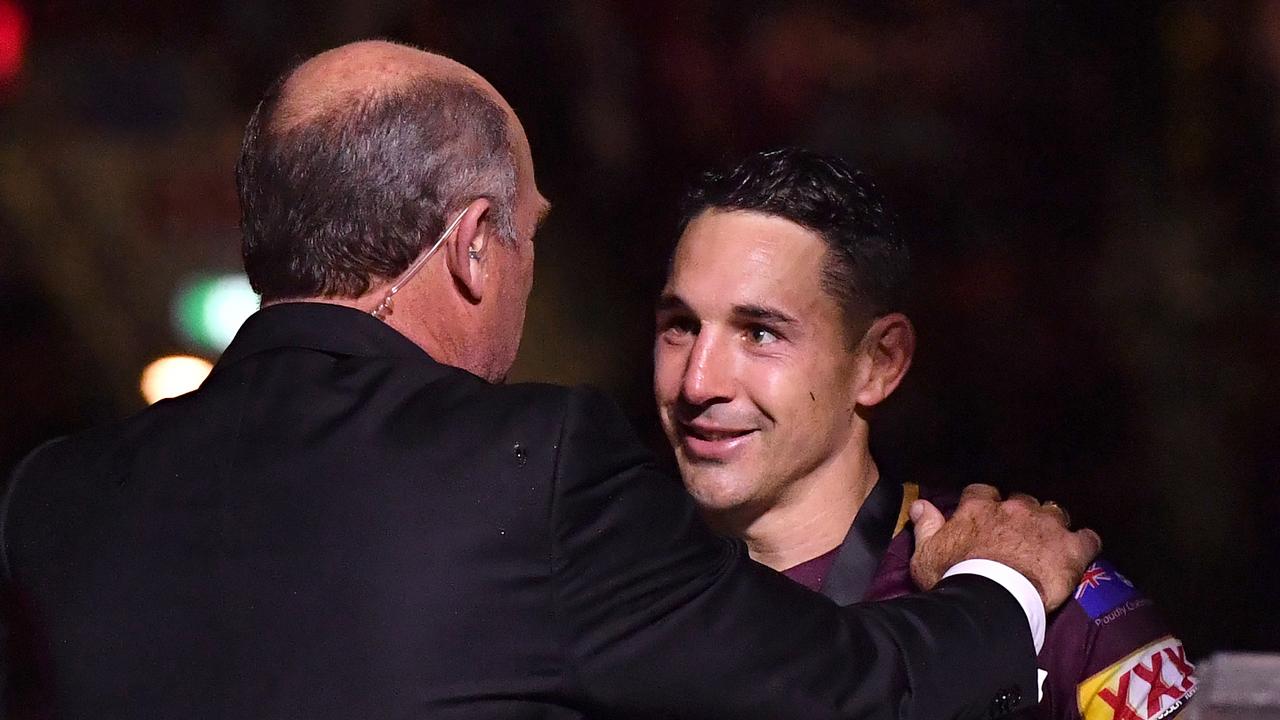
x,y
708,378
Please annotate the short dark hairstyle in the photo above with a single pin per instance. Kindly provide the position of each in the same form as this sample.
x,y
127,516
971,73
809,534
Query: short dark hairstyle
x,y
360,190
867,264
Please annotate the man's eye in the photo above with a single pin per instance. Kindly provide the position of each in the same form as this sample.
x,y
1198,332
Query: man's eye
x,y
674,328
761,336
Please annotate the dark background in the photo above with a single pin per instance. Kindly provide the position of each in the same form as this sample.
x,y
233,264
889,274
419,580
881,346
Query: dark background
x,y
1090,191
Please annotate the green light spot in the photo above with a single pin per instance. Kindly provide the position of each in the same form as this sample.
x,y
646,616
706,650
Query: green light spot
x,y
209,310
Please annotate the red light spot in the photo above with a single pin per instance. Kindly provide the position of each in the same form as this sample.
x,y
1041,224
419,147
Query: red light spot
x,y
13,40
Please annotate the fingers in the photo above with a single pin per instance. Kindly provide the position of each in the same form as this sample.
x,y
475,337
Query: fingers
x,y
979,491
1023,501
1026,501
1018,499
1056,509
1078,550
925,520
928,562
1090,545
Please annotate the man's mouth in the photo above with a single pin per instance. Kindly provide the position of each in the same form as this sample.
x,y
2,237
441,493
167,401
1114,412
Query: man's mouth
x,y
711,442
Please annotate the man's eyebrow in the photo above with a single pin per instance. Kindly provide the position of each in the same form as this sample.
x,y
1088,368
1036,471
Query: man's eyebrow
x,y
668,302
762,313
543,212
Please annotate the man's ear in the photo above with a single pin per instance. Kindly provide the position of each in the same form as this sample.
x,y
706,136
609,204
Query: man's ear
x,y
889,344
467,249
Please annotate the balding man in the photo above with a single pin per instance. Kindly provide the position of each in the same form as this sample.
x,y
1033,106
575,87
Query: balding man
x,y
352,519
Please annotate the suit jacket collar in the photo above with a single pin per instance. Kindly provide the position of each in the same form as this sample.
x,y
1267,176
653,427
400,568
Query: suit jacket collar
x,y
319,326
864,545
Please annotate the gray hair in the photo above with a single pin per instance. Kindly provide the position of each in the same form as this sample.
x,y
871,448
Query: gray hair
x,y
358,191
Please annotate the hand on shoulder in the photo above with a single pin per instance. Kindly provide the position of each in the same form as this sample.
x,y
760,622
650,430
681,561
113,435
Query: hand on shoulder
x,y
1020,532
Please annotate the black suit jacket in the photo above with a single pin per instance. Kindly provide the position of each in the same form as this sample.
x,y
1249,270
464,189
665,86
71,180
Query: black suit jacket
x,y
336,526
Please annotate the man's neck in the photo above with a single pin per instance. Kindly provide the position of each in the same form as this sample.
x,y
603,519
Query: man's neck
x,y
816,516
433,338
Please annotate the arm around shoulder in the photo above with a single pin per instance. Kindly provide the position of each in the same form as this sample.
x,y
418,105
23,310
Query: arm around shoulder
x,y
659,616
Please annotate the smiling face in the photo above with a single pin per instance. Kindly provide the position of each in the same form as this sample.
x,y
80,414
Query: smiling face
x,y
755,379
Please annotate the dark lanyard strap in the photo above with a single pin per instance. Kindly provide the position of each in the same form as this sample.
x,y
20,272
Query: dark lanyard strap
x,y
864,545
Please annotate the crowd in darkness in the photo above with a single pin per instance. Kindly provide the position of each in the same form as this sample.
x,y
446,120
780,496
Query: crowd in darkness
x,y
1089,194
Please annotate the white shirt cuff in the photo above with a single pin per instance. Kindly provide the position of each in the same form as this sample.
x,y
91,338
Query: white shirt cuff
x,y
1013,581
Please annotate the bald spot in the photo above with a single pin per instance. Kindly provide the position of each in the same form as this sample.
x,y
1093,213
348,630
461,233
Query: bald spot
x,y
362,71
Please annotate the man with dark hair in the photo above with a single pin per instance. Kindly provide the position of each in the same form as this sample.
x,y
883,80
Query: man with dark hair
x,y
779,330
350,519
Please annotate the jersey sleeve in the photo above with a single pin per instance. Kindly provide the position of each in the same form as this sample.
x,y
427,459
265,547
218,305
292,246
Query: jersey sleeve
x,y
1109,655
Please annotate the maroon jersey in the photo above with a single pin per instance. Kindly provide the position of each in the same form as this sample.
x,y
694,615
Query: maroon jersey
x,y
1107,653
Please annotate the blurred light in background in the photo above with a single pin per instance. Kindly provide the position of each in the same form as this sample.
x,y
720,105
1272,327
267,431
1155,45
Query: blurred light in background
x,y
13,41
209,310
172,376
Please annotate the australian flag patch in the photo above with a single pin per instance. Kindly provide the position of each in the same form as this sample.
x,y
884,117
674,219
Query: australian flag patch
x,y
1102,589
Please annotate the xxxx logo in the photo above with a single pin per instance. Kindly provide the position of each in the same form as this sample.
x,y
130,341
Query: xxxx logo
x,y
1148,685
